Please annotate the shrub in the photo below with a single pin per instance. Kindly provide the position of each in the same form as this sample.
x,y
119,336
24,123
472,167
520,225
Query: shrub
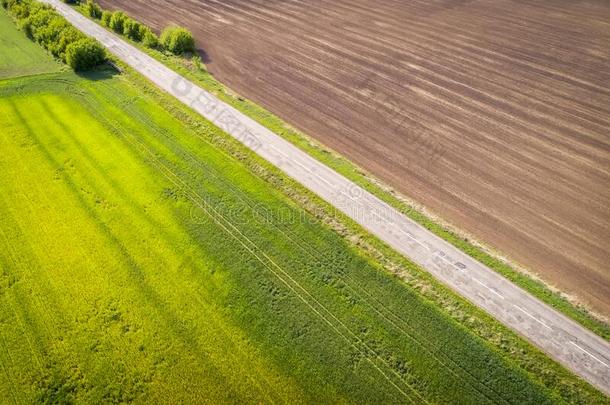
x,y
67,36
36,6
177,40
41,18
48,34
85,54
117,21
106,16
149,39
19,10
26,26
44,25
92,9
143,30
7,4
132,29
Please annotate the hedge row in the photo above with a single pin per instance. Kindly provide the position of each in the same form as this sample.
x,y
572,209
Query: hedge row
x,y
174,39
44,25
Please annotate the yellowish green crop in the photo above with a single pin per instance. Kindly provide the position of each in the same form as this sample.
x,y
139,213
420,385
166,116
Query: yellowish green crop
x,y
140,261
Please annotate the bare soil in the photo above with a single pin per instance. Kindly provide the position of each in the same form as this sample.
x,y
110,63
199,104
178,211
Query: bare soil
x,y
493,114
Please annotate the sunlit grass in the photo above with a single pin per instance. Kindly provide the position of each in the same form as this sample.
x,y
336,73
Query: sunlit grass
x,y
140,261
144,258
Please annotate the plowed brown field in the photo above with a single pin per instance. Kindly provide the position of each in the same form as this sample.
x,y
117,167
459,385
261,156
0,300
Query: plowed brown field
x,y
494,114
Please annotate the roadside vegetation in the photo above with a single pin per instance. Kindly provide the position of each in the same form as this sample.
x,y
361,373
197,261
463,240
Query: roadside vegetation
x,y
174,39
148,256
45,26
177,40
92,9
19,57
191,67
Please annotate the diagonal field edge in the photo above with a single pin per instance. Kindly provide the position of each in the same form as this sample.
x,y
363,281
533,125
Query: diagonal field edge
x,y
572,345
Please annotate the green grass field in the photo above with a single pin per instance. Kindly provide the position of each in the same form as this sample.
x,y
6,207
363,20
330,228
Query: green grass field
x,y
139,260
356,174
19,57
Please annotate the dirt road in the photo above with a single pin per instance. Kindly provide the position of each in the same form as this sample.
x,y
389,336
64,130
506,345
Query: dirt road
x,y
564,340
493,114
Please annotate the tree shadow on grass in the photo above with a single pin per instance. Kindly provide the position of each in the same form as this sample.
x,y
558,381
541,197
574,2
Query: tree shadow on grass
x,y
103,72
168,318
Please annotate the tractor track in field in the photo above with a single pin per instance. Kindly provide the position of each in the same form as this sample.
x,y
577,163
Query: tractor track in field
x,y
493,115
563,339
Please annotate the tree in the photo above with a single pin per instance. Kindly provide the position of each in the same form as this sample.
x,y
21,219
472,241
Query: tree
x,y
149,39
106,16
132,29
19,10
85,54
44,25
48,34
92,9
117,21
41,17
67,36
177,40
